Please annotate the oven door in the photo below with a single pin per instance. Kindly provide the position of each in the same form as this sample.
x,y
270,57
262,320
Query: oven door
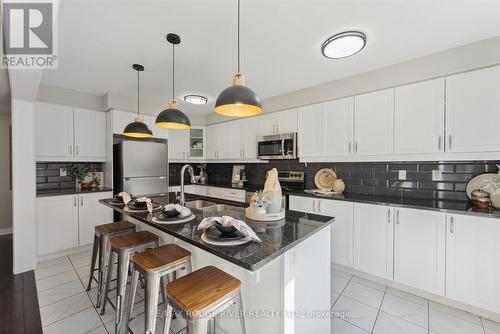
x,y
270,149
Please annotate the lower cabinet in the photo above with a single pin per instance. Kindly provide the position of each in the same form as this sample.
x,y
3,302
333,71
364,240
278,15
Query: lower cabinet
x,y
64,222
419,249
472,267
341,231
373,239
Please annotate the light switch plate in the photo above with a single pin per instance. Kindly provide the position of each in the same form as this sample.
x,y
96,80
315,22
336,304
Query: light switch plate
x,y
436,175
63,172
402,174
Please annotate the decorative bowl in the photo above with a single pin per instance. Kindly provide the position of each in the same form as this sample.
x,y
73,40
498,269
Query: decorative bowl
x,y
225,229
172,213
140,205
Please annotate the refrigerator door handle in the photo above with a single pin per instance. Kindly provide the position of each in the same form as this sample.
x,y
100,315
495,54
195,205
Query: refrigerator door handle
x,y
144,178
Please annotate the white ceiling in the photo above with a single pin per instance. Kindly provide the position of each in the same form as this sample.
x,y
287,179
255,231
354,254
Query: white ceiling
x,y
281,40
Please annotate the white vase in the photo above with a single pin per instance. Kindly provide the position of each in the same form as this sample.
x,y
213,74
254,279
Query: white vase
x,y
259,210
272,189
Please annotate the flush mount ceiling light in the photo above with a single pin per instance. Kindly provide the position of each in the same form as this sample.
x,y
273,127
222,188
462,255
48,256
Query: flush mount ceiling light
x,y
238,100
195,99
138,129
173,118
343,45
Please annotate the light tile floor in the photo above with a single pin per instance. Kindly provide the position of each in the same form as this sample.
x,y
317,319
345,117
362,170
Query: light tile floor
x,y
365,306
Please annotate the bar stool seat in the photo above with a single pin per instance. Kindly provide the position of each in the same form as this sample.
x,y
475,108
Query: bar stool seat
x,y
201,296
133,240
156,265
102,236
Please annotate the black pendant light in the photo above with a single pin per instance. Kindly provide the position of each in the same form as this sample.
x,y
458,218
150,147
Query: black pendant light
x,y
138,129
173,118
238,100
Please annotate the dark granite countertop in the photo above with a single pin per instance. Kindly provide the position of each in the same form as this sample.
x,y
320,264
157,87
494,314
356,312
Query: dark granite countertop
x,y
72,191
444,206
277,237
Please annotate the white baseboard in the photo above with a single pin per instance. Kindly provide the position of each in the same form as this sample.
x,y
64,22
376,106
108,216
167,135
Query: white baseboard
x,y
5,230
435,298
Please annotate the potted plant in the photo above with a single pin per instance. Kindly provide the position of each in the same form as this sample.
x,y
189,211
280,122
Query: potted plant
x,y
260,201
79,171
493,187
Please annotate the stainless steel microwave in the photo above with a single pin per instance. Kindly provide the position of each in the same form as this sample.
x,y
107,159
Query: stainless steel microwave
x,y
282,146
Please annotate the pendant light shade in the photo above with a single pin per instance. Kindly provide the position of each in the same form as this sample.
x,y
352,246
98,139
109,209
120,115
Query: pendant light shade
x,y
238,100
138,129
172,117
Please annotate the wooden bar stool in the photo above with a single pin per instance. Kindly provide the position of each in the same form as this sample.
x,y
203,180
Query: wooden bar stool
x,y
201,295
155,265
126,246
102,247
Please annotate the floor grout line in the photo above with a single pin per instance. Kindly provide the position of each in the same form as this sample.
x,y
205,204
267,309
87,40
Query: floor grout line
x,y
59,285
378,312
66,317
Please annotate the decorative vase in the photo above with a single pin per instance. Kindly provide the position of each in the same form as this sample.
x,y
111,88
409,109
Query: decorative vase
x,y
260,210
339,186
272,189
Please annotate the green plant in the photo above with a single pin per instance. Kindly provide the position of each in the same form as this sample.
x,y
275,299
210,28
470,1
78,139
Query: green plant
x,y
79,171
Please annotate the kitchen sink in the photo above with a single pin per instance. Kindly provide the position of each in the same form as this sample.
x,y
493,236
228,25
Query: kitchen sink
x,y
199,204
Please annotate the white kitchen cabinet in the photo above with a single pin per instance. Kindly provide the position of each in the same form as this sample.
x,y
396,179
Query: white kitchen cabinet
x,y
373,123
54,132
341,230
472,270
337,121
310,135
237,138
178,145
268,124
373,239
197,143
56,223
211,141
64,222
278,122
419,117
251,129
219,141
473,111
419,249
90,134
90,214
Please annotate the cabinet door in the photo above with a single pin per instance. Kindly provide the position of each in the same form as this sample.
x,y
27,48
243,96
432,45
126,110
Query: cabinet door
x,y
419,117
56,223
211,146
302,204
223,142
236,138
287,121
419,249
373,121
268,124
472,270
310,134
341,230
373,239
178,144
251,129
473,111
90,214
54,131
338,127
90,134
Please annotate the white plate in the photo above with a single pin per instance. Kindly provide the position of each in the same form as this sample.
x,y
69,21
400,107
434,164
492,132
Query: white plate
x,y
172,222
325,178
478,182
211,241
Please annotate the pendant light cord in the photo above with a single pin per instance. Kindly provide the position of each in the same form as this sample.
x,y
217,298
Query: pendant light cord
x,y
173,71
238,36
138,95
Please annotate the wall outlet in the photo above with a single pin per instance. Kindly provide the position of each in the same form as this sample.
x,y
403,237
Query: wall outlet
x,y
436,175
63,171
402,174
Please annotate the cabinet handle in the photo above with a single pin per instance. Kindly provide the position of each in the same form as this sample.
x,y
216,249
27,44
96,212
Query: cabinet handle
x,y
274,128
350,147
314,205
388,216
356,147
74,201
76,150
439,143
452,225
277,128
397,217
243,153
449,142
81,200
70,149
319,206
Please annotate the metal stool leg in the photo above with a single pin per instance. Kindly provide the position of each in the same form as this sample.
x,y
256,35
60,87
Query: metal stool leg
x,y
133,291
196,326
151,302
121,279
104,251
239,303
92,265
168,318
108,281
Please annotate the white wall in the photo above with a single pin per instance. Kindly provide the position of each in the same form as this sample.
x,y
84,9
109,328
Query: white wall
x,y
456,60
69,97
23,184
6,202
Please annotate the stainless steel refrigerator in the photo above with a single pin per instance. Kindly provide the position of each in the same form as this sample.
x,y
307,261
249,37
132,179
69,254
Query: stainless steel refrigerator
x,y
140,167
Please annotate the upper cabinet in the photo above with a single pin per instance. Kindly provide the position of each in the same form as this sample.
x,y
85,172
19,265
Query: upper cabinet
x,y
374,123
178,145
419,117
473,111
235,140
338,127
310,134
278,122
68,134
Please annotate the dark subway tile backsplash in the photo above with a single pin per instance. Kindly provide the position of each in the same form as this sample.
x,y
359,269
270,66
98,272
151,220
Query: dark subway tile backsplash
x,y
47,175
379,178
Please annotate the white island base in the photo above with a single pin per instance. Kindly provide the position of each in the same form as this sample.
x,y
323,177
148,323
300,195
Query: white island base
x,y
290,294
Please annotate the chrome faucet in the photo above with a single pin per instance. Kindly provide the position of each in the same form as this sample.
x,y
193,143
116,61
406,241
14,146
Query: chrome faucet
x,y
190,169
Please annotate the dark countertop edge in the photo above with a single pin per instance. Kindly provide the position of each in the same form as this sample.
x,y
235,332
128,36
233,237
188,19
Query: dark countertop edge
x,y
429,205
204,247
246,187
49,193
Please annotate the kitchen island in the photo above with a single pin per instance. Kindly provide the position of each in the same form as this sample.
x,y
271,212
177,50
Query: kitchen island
x,y
285,279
